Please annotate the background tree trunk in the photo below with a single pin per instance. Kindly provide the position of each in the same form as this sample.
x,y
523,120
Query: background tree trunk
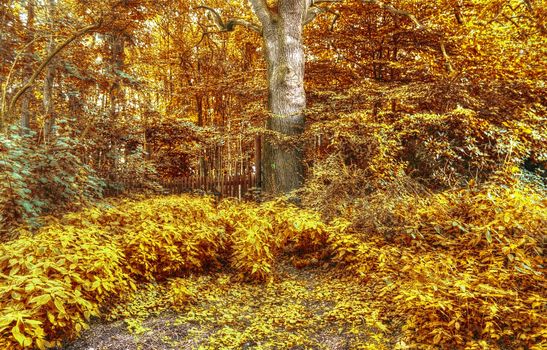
x,y
116,96
49,108
25,113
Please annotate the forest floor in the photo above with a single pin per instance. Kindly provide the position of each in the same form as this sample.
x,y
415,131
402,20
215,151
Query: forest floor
x,y
311,308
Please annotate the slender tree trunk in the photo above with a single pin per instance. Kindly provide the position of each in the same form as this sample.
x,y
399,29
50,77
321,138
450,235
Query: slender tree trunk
x,y
117,47
25,113
49,109
202,171
283,169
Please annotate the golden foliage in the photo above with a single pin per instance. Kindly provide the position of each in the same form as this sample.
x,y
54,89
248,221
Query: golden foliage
x,y
464,268
53,282
160,237
461,268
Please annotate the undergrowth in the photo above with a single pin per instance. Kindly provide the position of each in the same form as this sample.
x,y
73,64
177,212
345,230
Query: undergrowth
x,y
459,269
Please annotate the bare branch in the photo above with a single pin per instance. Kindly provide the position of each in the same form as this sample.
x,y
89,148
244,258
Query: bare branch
x,y
317,2
230,25
395,11
314,11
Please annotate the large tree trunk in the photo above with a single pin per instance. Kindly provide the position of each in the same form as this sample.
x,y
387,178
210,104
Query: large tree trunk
x,y
283,169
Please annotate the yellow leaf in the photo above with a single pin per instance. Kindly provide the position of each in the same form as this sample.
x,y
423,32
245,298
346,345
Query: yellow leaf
x,y
59,305
41,300
20,337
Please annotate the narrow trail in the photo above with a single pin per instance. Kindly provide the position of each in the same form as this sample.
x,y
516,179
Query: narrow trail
x,y
313,308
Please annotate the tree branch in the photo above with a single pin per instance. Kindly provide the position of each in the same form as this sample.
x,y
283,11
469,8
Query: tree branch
x,y
45,62
314,11
395,11
261,10
8,78
448,62
229,26
398,12
317,2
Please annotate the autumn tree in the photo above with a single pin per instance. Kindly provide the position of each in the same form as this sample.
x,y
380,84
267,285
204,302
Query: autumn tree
x,y
281,27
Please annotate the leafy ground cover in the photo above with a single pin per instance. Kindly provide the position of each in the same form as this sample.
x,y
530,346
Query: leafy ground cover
x,y
460,269
304,308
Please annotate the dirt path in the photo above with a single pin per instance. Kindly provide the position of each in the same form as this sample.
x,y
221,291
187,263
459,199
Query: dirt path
x,y
301,309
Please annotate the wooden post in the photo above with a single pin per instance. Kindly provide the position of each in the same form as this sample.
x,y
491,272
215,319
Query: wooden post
x,y
235,185
258,161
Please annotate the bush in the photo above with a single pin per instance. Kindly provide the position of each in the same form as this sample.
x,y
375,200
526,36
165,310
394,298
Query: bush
x,y
160,237
399,154
41,178
462,269
53,282
459,269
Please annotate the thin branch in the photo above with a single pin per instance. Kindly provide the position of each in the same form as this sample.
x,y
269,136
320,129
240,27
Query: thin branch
x,y
314,11
317,2
230,25
419,26
12,69
395,11
448,62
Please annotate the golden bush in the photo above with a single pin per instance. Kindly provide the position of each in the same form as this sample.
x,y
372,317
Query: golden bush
x,y
464,268
459,269
53,282
160,237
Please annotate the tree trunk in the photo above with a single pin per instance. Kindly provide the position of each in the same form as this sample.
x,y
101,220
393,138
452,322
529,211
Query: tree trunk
x,y
116,96
25,113
49,110
283,168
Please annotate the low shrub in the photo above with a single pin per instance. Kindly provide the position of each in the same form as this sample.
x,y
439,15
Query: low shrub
x,y
38,178
53,282
160,237
463,268
459,269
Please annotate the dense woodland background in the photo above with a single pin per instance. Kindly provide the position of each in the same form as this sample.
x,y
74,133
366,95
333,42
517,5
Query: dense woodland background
x,y
425,128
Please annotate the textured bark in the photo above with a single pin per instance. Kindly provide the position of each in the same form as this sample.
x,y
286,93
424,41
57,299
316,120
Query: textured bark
x,y
283,169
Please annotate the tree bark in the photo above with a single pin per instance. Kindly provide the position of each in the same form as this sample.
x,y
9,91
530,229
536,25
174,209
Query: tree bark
x,y
283,167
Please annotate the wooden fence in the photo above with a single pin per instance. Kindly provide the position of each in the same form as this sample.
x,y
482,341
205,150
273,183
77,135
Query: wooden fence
x,y
235,186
